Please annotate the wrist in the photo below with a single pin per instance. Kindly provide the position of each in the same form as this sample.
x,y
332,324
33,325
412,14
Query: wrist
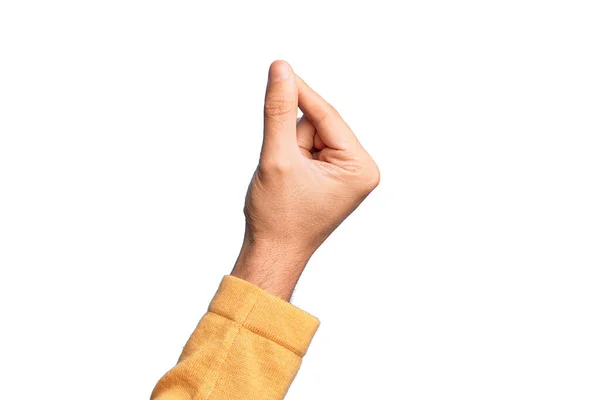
x,y
272,267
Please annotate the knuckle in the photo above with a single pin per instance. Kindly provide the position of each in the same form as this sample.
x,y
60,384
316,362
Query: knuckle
x,y
372,178
278,105
320,117
277,166
323,116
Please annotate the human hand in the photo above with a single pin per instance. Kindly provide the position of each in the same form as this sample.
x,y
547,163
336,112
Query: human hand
x,y
312,174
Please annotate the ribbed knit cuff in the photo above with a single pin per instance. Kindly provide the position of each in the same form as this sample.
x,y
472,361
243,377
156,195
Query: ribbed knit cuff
x,y
264,314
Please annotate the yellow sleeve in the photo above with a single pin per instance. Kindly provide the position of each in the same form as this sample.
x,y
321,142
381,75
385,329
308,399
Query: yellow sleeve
x,y
249,345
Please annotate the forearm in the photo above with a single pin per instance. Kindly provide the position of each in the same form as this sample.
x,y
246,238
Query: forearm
x,y
273,267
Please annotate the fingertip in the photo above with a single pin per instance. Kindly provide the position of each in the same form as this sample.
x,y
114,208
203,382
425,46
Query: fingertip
x,y
299,82
279,70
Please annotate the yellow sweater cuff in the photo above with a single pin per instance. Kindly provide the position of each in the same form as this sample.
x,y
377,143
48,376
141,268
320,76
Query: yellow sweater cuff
x,y
264,314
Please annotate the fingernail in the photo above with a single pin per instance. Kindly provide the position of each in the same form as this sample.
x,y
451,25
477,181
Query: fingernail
x,y
279,70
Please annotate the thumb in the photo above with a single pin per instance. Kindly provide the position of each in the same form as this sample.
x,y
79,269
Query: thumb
x,y
281,110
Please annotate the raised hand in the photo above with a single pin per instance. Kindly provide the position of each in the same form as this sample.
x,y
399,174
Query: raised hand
x,y
312,174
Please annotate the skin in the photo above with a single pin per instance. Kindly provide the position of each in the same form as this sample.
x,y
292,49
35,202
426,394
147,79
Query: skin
x,y
313,173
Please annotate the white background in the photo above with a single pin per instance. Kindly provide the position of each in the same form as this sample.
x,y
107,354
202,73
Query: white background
x,y
130,129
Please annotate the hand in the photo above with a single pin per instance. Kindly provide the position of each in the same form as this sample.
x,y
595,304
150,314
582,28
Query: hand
x,y
312,174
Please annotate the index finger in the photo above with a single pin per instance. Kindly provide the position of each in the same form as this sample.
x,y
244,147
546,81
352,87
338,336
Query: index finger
x,y
331,127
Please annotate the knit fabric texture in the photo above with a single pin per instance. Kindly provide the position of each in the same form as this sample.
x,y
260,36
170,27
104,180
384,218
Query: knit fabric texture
x,y
249,345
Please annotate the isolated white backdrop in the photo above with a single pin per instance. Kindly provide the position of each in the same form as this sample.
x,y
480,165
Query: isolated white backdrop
x,y
130,129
